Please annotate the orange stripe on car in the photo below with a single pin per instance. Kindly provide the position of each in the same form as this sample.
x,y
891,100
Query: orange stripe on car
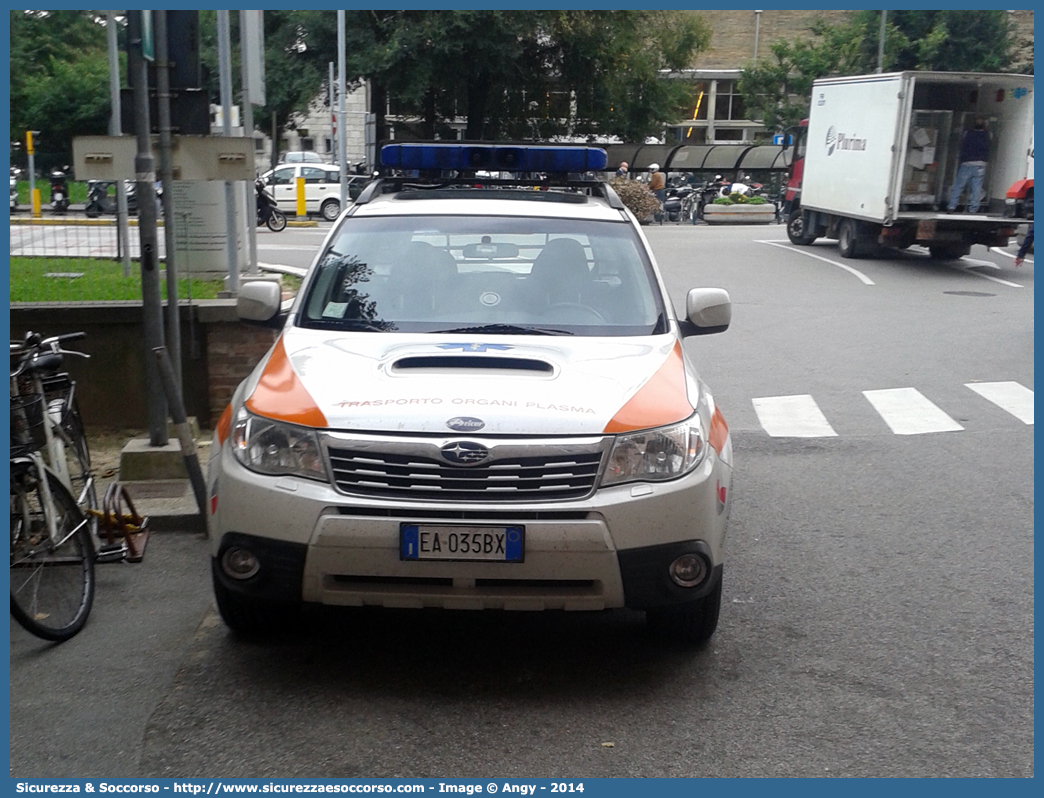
x,y
719,431
224,425
281,395
662,400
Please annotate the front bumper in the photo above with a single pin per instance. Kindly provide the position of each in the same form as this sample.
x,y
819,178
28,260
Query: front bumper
x,y
612,549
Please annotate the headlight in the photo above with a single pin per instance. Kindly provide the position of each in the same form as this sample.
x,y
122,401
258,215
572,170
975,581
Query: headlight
x,y
271,447
657,455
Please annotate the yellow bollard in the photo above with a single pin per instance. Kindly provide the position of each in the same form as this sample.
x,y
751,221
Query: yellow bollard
x,y
301,211
36,203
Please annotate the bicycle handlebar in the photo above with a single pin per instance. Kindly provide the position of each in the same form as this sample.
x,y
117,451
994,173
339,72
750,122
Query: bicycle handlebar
x,y
44,354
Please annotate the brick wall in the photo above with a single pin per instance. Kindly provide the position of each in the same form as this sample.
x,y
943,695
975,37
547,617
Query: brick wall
x,y
732,41
232,352
217,352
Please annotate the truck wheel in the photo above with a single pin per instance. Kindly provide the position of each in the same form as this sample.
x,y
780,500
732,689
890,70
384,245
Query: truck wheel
x,y
848,243
796,229
948,251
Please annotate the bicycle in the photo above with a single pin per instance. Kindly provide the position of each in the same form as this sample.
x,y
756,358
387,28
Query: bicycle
x,y
35,364
52,553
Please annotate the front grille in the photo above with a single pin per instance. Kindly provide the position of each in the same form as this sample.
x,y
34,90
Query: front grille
x,y
394,475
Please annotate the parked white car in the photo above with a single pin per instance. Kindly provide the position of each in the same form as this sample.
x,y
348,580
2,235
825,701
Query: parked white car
x,y
322,188
479,400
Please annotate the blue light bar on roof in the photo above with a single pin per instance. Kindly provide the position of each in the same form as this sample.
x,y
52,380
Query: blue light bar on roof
x,y
494,157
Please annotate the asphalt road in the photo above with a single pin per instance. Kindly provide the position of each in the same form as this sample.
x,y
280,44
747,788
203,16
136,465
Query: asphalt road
x,y
878,600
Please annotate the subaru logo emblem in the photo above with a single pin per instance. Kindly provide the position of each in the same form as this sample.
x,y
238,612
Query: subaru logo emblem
x,y
465,424
465,453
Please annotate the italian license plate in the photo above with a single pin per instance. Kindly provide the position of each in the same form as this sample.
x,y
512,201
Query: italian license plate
x,y
484,543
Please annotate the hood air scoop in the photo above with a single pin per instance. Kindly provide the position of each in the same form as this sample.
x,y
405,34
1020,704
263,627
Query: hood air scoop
x,y
441,363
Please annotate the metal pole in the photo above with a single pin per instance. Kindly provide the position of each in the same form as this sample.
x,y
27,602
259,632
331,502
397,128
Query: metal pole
x,y
881,42
341,118
32,182
116,129
225,76
333,112
248,131
167,175
184,431
152,309
757,30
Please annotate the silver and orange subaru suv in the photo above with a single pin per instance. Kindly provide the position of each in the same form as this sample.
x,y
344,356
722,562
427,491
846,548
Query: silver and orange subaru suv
x,y
480,399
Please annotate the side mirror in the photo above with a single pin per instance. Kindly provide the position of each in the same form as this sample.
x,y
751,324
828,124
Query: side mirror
x,y
708,310
260,301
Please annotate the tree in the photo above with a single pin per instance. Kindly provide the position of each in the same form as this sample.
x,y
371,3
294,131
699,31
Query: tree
x,y
777,90
528,74
59,77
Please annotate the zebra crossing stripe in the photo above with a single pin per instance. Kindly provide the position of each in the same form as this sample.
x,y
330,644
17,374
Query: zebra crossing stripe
x,y
1010,396
792,417
909,412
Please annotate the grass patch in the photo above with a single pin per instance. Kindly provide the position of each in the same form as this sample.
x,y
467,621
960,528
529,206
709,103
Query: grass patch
x,y
77,192
90,280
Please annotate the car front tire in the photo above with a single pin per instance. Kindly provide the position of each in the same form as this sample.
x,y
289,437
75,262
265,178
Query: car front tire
x,y
691,624
250,617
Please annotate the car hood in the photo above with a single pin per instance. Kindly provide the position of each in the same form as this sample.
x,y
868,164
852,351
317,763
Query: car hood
x,y
517,385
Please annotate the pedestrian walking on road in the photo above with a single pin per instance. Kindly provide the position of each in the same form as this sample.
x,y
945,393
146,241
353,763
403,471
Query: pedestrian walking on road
x,y
621,170
975,149
1027,245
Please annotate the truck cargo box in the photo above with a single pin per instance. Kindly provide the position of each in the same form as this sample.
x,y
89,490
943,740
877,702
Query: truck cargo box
x,y
885,147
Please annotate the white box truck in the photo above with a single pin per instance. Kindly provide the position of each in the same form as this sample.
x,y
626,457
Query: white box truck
x,y
876,161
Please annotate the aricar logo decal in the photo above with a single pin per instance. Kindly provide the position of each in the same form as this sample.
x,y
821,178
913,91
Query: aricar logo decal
x,y
465,424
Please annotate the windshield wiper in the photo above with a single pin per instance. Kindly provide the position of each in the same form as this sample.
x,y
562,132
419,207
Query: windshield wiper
x,y
507,329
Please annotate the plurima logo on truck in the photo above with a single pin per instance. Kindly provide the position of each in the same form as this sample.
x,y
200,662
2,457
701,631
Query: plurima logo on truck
x,y
840,141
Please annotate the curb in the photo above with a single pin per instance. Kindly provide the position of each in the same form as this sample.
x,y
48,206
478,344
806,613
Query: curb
x,y
78,222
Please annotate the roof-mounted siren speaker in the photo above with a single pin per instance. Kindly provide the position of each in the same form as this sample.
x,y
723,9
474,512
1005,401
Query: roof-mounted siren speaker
x,y
509,159
477,157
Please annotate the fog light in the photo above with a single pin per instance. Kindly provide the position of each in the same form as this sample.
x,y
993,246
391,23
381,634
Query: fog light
x,y
239,563
689,570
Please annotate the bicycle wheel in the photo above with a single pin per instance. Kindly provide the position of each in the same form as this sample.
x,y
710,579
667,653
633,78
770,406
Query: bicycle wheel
x,y
52,584
77,458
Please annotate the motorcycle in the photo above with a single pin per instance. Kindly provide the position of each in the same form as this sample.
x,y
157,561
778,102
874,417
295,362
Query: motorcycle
x,y
14,191
710,192
675,202
59,179
267,212
99,201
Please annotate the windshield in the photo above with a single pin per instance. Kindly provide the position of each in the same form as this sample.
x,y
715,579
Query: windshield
x,y
497,275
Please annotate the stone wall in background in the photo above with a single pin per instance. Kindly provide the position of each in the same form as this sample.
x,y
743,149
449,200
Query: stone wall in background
x,y
218,351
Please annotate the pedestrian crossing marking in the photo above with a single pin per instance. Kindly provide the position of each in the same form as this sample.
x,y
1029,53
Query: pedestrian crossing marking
x,y
792,417
909,412
1010,396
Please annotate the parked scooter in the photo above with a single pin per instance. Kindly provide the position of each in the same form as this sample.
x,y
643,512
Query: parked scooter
x,y
267,212
99,201
59,179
